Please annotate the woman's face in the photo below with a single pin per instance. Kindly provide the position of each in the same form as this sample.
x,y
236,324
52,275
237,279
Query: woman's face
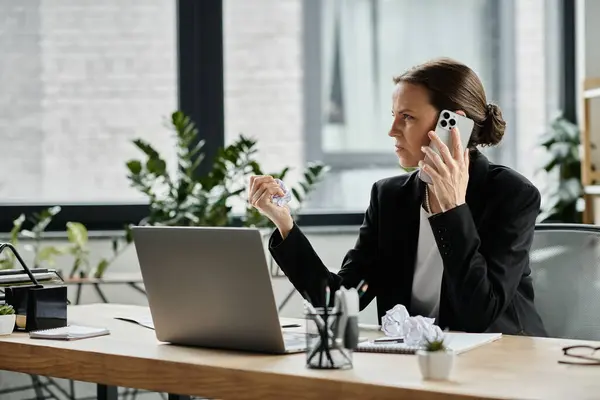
x,y
413,117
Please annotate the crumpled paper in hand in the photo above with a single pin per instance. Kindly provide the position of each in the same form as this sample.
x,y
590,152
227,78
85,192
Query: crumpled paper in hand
x,y
286,198
397,322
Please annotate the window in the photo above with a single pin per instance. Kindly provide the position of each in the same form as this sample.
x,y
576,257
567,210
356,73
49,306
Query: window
x,y
263,80
78,83
312,80
362,44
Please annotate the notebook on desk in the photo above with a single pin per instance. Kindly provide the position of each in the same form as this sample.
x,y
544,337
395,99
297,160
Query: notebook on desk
x,y
71,332
458,341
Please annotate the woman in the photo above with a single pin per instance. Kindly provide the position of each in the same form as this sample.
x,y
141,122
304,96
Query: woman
x,y
456,249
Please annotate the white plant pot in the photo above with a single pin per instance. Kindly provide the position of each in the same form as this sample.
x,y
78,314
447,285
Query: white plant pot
x,y
7,324
435,365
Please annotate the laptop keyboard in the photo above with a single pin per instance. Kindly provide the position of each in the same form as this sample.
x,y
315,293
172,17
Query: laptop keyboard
x,y
294,340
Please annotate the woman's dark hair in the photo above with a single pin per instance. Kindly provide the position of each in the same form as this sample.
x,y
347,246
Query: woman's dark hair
x,y
454,86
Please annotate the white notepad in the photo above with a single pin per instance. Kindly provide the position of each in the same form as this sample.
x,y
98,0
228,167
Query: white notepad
x,y
459,342
71,332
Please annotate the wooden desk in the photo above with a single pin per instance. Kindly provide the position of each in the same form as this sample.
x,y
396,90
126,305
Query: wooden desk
x,y
511,368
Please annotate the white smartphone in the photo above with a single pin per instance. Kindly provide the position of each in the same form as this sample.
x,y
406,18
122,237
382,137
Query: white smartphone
x,y
446,121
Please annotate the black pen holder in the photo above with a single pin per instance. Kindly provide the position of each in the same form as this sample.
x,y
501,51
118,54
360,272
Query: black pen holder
x,y
324,341
36,307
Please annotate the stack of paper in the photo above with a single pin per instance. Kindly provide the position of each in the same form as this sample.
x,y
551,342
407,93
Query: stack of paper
x,y
71,332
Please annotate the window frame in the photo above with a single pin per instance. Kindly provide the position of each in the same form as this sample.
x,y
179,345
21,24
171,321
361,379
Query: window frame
x,y
201,95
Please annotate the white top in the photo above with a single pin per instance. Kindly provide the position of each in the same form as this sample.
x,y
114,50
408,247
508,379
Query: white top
x,y
427,281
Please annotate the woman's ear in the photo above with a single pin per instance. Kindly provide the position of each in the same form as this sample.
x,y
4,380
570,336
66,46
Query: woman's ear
x,y
461,112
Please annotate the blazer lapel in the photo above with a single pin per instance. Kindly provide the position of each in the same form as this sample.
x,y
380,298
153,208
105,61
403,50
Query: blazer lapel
x,y
409,208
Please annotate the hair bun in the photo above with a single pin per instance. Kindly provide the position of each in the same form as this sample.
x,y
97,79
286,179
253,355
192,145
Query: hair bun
x,y
493,127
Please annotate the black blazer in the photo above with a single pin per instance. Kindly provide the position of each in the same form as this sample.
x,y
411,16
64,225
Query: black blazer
x,y
484,244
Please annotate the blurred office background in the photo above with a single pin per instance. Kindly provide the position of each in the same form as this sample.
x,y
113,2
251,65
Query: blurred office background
x,y
310,80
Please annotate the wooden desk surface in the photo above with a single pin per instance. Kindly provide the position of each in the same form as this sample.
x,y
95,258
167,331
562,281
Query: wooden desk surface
x,y
511,368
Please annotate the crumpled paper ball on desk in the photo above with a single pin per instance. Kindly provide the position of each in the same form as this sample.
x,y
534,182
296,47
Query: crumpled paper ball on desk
x,y
397,322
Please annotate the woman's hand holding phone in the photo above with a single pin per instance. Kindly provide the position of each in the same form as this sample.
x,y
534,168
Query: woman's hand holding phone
x,y
448,170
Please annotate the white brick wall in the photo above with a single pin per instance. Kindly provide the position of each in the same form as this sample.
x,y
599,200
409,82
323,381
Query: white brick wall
x,y
263,79
20,99
106,73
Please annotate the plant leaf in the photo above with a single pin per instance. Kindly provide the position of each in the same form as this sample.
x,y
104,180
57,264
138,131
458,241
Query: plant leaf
x,y
560,150
17,225
77,234
49,253
551,165
28,234
101,268
156,166
146,148
134,166
6,309
128,234
296,194
309,178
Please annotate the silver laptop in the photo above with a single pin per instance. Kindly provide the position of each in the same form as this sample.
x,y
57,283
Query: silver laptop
x,y
211,287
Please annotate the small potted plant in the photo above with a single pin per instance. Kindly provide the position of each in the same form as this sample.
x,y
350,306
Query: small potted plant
x,y
435,359
7,319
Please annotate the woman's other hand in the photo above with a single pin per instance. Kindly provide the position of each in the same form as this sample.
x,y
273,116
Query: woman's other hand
x,y
260,195
449,172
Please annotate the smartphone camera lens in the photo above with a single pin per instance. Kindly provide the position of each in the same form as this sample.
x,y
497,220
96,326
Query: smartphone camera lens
x,y
443,124
446,115
452,122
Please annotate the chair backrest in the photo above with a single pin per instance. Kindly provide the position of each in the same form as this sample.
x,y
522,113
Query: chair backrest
x,y
565,264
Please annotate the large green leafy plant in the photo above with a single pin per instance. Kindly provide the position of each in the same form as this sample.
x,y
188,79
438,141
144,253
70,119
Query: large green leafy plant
x,y
564,167
185,198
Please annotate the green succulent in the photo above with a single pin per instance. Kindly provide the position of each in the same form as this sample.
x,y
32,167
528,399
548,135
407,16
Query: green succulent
x,y
6,309
436,344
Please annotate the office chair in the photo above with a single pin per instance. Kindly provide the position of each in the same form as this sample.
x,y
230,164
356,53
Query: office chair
x,y
565,264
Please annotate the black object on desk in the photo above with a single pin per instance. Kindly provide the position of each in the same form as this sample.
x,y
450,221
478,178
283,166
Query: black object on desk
x,y
40,307
324,350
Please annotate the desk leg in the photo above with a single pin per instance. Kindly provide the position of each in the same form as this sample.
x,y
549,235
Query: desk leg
x,y
104,392
178,397
78,298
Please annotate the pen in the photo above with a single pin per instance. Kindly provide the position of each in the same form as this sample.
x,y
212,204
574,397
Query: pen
x,y
389,340
363,290
326,317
